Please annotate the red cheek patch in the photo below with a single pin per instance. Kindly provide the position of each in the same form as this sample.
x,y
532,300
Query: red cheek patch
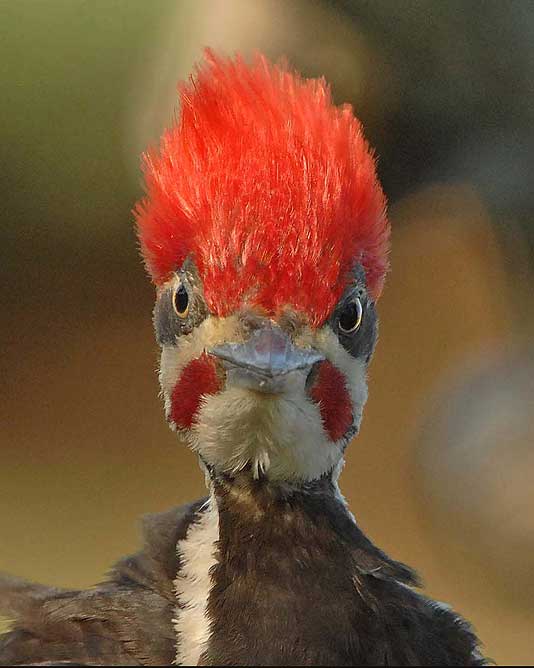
x,y
330,392
197,379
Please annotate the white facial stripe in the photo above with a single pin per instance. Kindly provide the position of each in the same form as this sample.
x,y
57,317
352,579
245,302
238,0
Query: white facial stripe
x,y
282,434
208,334
174,359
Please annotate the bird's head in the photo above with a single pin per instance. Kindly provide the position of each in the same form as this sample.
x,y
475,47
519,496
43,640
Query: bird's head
x,y
265,232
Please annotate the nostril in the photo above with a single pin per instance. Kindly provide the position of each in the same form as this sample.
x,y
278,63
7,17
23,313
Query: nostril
x,y
291,322
252,321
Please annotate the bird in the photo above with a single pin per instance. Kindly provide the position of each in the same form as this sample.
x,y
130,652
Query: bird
x,y
264,229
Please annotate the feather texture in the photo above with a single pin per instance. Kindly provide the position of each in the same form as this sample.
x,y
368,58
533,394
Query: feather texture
x,y
269,186
320,594
125,621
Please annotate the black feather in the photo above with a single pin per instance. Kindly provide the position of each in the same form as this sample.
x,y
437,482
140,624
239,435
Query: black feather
x,y
124,621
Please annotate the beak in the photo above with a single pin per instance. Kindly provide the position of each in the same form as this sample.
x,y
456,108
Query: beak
x,y
267,361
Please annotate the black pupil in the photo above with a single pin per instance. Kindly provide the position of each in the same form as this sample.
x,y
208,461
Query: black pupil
x,y
181,299
349,316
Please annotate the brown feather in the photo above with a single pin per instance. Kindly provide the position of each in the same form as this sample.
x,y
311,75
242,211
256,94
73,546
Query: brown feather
x,y
124,621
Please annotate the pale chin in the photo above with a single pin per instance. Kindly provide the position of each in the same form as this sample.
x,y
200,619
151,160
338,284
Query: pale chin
x,y
278,437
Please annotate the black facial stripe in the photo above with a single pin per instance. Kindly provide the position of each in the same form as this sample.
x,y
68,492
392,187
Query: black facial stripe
x,y
168,325
361,343
165,319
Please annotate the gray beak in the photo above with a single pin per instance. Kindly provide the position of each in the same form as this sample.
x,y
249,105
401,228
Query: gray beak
x,y
267,362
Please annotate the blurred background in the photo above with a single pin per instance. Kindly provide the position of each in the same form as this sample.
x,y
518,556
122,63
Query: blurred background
x,y
442,474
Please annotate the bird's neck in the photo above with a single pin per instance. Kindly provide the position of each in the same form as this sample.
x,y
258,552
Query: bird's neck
x,y
243,498
275,574
281,575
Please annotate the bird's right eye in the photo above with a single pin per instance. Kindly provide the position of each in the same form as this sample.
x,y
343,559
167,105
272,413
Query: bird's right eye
x,y
180,301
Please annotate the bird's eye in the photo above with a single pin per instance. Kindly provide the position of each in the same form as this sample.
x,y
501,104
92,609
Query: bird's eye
x,y
351,317
180,301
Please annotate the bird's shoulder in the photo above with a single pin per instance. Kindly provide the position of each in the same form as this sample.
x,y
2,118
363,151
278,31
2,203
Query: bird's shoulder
x,y
126,620
418,630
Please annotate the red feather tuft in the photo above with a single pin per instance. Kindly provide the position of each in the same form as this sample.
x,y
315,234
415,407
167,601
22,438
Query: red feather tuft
x,y
269,186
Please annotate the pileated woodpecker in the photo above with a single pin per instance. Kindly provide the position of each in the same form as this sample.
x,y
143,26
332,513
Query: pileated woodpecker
x,y
264,229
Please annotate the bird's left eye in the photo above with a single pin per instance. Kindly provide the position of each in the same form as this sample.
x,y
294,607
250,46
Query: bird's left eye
x,y
351,317
180,301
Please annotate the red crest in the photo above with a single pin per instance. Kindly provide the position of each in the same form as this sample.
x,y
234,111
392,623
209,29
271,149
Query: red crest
x,y
270,187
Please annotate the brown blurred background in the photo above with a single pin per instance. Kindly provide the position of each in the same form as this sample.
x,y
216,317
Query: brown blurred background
x,y
441,475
